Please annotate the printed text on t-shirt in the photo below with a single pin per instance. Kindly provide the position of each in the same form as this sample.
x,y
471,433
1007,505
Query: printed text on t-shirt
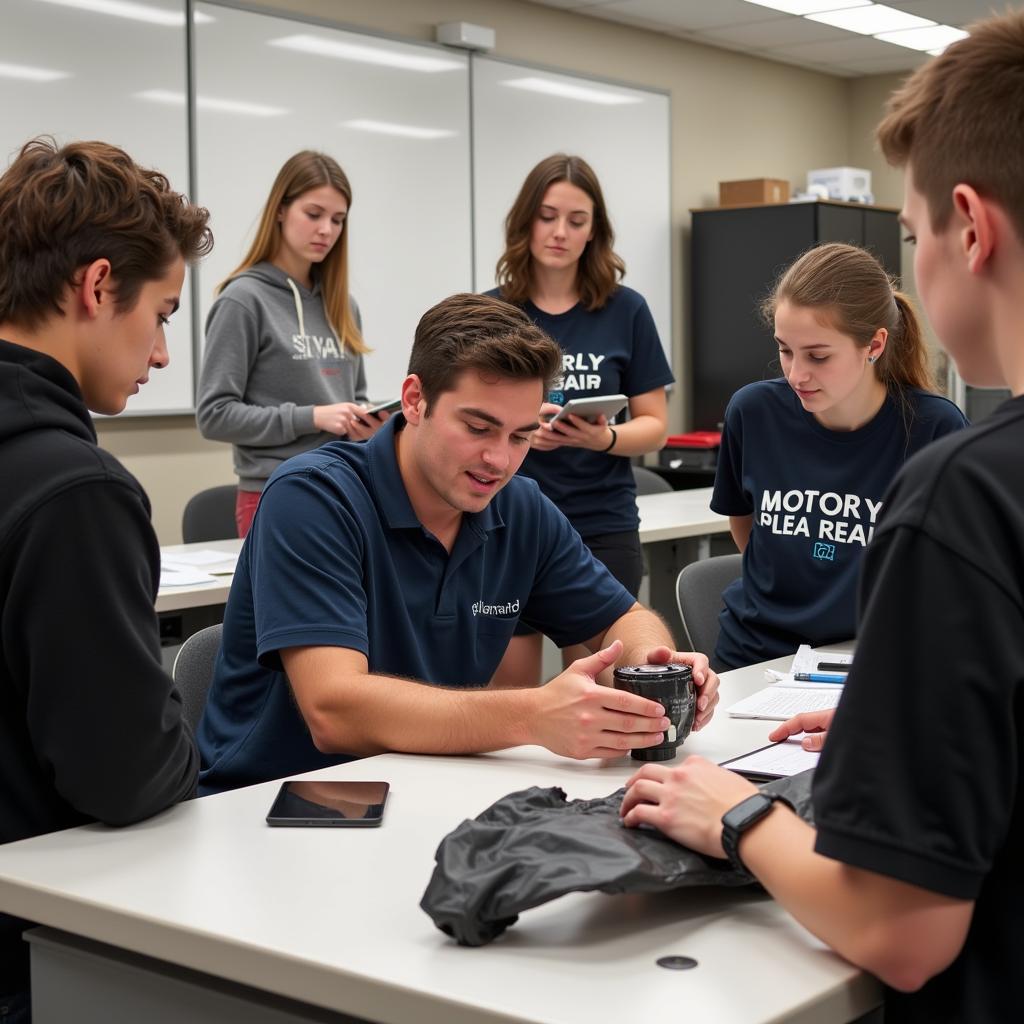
x,y
844,518
578,371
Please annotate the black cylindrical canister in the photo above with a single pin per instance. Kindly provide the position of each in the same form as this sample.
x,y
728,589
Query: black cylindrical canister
x,y
672,687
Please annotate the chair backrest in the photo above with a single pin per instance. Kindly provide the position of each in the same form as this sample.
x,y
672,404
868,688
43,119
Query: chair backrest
x,y
649,482
193,671
210,515
699,596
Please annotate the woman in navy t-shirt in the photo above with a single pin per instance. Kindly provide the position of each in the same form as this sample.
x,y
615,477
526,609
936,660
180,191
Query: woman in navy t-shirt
x,y
806,459
559,265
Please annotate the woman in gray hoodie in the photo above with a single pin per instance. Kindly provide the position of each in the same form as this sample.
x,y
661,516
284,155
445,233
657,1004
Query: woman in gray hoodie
x,y
283,366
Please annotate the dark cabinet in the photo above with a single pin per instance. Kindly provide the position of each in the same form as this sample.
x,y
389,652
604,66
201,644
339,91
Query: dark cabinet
x,y
736,256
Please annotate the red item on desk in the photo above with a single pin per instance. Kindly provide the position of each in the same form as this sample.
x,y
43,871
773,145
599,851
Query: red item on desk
x,y
695,439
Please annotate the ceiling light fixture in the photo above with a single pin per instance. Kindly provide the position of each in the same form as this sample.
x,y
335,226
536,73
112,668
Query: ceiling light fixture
x,y
808,6
871,20
934,39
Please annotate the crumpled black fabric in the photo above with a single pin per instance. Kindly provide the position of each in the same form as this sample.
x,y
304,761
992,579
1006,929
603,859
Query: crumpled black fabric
x,y
533,846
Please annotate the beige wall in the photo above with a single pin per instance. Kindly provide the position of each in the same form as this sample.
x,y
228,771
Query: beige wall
x,y
732,117
867,105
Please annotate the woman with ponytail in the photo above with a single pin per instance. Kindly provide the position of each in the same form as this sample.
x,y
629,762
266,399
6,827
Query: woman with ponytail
x,y
806,459
283,366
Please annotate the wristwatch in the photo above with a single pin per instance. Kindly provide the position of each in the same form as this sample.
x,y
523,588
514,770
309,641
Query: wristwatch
x,y
738,819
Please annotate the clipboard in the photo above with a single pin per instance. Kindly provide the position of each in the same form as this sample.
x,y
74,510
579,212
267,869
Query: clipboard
x,y
773,761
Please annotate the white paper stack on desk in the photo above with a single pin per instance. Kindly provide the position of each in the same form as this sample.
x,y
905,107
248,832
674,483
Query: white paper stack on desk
x,y
191,568
788,696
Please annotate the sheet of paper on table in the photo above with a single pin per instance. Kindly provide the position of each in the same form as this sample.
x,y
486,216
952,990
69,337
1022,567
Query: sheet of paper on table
x,y
776,760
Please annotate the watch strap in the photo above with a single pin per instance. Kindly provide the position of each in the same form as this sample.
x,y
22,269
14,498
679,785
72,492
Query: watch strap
x,y
761,804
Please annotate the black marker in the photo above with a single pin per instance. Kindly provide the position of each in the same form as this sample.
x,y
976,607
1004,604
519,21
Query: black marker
x,y
834,666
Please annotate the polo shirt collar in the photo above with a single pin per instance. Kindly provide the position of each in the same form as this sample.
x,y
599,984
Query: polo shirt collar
x,y
392,497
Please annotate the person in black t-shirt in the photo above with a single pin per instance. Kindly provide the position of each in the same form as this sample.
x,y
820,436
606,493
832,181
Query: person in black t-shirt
x,y
914,872
806,459
560,267
92,259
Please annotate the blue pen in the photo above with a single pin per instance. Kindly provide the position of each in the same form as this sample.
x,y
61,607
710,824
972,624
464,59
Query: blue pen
x,y
820,677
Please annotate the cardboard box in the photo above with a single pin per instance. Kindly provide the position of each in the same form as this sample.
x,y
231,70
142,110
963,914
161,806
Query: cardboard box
x,y
753,192
851,184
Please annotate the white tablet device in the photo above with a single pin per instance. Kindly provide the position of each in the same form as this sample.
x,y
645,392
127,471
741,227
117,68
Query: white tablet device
x,y
591,408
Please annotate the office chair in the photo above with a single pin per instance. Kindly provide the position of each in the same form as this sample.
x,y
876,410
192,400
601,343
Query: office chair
x,y
699,597
193,671
210,515
648,482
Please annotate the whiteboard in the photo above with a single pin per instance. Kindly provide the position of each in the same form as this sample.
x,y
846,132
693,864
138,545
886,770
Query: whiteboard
x,y
522,114
77,74
347,95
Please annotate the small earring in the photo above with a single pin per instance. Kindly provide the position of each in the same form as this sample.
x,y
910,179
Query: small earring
x,y
871,359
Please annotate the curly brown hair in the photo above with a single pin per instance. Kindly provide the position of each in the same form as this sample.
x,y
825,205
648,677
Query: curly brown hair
x,y
600,269
61,208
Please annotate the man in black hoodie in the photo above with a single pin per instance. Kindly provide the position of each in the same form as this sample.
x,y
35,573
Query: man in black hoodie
x,y
92,257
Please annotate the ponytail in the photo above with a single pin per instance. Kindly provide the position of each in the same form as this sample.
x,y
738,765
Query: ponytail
x,y
904,363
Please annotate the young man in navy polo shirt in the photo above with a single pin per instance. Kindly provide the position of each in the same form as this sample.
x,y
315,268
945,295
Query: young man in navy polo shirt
x,y
913,869
374,568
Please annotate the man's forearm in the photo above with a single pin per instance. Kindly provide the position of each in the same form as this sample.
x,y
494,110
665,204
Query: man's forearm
x,y
897,931
371,714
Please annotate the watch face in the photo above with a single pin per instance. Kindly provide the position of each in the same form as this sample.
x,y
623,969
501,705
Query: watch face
x,y
744,814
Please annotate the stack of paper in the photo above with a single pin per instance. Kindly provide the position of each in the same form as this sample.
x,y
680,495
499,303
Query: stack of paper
x,y
183,576
192,568
779,701
787,696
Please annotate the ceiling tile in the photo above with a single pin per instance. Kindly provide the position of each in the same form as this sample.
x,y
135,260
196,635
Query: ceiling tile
x,y
887,65
954,12
836,70
842,51
573,4
761,32
763,35
689,15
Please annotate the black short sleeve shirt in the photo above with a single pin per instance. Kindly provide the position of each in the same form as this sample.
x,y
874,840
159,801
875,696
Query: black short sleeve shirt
x,y
920,777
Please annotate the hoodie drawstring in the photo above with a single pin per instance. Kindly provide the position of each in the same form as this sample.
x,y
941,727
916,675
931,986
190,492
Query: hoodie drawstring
x,y
298,306
302,322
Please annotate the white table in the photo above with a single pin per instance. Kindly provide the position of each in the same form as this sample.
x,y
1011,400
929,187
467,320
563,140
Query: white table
x,y
675,530
330,917
201,595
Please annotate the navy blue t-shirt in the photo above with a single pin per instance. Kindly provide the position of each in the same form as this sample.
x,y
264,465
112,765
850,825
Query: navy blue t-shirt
x,y
815,495
608,351
337,557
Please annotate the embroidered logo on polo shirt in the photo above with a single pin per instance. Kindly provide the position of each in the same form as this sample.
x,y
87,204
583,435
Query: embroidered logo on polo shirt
x,y
497,610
